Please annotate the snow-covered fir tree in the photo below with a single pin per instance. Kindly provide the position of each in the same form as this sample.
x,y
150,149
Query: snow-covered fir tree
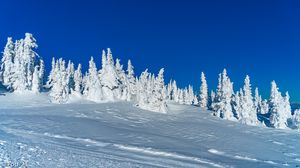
x,y
59,92
92,87
296,119
203,97
109,79
279,113
7,64
70,75
78,81
222,102
131,81
248,113
257,101
122,78
18,64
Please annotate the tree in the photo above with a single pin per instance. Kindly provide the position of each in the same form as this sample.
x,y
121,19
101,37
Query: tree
x,y
59,92
78,80
131,81
248,112
222,102
30,58
279,113
93,88
296,119
123,81
7,64
19,78
203,97
51,74
257,102
159,98
109,79
36,81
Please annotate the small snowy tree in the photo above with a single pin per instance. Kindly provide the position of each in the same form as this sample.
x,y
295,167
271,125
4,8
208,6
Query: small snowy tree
x,y
203,97
296,119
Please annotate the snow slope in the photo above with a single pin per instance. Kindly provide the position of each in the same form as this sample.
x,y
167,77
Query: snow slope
x,y
36,133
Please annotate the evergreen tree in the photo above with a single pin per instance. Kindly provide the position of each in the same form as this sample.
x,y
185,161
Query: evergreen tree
x,y
109,79
131,81
203,97
7,64
78,80
93,88
278,113
248,112
222,102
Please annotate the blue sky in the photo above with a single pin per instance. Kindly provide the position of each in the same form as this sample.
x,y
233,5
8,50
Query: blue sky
x,y
259,38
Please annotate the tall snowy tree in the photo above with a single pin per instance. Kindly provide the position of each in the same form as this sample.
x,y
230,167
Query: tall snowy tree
x,y
203,97
222,102
7,64
93,88
248,113
109,78
279,114
51,74
59,92
30,58
123,81
158,97
20,76
131,81
78,80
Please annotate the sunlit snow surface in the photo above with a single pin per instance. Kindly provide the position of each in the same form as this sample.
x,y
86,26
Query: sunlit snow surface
x,y
36,133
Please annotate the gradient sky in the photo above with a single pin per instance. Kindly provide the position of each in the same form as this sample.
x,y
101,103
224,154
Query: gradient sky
x,y
259,38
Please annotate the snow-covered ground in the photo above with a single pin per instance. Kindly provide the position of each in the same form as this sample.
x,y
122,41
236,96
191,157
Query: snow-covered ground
x,y
36,133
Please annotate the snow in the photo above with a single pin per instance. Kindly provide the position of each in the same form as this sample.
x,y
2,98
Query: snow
x,y
36,133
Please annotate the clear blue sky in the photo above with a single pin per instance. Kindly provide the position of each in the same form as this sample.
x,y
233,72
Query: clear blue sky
x,y
259,38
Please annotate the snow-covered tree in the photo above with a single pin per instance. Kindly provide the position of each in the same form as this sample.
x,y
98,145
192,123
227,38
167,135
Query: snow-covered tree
x,y
151,92
18,64
20,76
93,88
51,74
59,92
158,98
248,112
7,64
222,102
131,81
109,78
236,103
296,119
257,102
70,75
36,81
279,114
203,97
78,80
123,81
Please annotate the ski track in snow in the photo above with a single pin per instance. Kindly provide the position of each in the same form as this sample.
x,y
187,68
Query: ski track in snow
x,y
86,134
